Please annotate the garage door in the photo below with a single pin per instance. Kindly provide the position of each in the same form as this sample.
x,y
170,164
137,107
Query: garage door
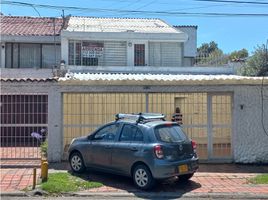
x,y
84,112
206,117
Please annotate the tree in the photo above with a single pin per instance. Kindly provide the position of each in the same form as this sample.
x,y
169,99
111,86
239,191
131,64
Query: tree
x,y
257,64
209,54
207,48
237,55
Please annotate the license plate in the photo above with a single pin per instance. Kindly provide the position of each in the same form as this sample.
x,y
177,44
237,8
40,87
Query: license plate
x,y
183,168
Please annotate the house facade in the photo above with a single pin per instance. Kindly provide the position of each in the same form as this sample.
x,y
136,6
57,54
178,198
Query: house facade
x,y
121,65
115,44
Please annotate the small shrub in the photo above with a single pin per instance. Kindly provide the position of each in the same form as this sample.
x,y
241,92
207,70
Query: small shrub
x,y
44,147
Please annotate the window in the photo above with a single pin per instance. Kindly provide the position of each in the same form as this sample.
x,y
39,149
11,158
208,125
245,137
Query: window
x,y
139,54
169,133
29,55
131,133
107,133
85,53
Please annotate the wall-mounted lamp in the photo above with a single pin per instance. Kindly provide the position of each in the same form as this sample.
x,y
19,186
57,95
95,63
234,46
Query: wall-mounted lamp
x,y
129,44
242,106
3,46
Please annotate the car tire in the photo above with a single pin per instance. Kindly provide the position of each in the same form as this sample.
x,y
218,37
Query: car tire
x,y
76,162
143,178
185,177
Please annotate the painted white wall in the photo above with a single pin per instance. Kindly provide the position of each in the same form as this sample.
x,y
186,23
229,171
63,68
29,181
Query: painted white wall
x,y
64,49
190,46
2,55
250,142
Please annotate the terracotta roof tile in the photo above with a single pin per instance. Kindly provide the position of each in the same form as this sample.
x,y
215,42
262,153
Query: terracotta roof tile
x,y
29,26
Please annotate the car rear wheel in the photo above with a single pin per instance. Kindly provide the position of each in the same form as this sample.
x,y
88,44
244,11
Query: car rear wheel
x,y
142,177
77,163
185,177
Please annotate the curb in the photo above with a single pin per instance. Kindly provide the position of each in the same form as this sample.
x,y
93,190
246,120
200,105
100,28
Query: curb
x,y
13,194
150,195
172,195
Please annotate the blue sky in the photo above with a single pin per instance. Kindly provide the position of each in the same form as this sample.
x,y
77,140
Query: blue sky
x,y
231,33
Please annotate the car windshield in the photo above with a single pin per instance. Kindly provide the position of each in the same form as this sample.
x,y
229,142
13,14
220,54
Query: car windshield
x,y
169,133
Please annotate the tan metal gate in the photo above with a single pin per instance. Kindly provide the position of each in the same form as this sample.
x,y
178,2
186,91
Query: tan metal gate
x,y
23,125
206,118
84,112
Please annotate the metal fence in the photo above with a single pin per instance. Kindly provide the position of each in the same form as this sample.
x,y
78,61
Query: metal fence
x,y
24,119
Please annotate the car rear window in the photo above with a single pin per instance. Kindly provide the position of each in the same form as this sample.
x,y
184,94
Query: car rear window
x,y
169,133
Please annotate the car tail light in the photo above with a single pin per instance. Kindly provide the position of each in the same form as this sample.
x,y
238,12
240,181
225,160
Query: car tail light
x,y
194,145
158,151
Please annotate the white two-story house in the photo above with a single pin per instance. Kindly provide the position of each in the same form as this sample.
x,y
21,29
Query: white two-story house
x,y
123,44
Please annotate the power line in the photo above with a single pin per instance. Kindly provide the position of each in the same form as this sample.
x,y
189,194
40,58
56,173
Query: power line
x,y
239,2
119,11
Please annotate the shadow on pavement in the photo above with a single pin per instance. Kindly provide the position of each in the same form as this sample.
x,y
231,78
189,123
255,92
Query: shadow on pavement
x,y
115,183
120,183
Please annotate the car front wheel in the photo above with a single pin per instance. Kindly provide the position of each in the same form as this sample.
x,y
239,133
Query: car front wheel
x,y
143,178
77,163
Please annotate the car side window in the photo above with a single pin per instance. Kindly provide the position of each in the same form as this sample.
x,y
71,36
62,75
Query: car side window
x,y
131,133
107,133
138,136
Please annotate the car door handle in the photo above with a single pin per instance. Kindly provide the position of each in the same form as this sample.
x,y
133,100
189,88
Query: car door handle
x,y
107,147
133,149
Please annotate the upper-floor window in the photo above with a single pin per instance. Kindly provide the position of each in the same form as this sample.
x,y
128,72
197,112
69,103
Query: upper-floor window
x,y
85,53
32,55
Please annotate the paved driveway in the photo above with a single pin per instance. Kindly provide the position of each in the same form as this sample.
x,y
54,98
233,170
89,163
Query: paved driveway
x,y
210,179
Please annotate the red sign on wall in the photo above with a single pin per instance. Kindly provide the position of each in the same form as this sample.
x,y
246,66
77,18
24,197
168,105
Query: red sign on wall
x,y
92,50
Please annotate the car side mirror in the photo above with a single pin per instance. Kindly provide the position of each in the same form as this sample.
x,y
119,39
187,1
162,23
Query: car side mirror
x,y
90,137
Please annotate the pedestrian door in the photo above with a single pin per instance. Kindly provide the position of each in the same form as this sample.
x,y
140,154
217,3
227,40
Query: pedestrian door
x,y
219,126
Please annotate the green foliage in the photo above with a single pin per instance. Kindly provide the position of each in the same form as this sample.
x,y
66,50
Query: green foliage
x,y
257,63
260,179
243,53
64,182
210,54
208,48
44,147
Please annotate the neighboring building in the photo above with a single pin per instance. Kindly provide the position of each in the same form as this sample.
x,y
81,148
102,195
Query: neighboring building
x,y
30,42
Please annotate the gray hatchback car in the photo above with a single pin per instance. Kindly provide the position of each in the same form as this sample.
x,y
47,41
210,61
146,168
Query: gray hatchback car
x,y
143,146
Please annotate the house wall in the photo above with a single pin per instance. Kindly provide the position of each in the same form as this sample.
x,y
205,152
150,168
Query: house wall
x,y
249,137
2,55
190,46
249,140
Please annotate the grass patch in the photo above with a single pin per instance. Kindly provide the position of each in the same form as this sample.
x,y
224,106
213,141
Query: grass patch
x,y
260,179
64,182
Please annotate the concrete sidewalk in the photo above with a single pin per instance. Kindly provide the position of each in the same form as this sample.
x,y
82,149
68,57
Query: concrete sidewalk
x,y
211,181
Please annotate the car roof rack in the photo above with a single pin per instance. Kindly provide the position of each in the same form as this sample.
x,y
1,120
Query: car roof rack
x,y
140,117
